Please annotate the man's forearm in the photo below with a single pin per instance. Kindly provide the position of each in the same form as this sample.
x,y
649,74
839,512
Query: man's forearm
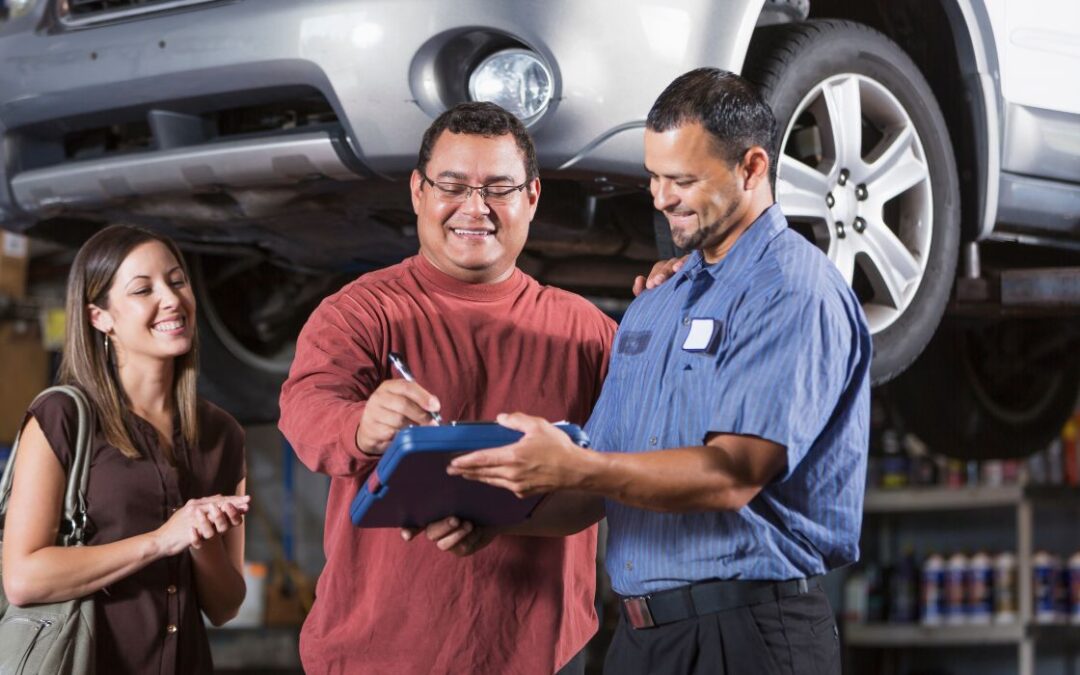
x,y
723,475
561,514
703,478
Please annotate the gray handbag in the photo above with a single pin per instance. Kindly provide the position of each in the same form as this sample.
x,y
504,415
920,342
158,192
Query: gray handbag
x,y
55,637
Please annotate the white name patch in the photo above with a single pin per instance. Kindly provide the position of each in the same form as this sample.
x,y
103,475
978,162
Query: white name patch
x,y
702,336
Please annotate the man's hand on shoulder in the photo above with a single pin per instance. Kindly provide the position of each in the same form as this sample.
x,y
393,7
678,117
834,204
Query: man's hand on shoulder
x,y
394,405
661,272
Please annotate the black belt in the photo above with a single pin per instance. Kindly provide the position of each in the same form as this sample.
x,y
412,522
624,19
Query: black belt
x,y
708,597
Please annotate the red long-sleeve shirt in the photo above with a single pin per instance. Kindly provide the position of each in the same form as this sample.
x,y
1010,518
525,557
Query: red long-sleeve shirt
x,y
521,605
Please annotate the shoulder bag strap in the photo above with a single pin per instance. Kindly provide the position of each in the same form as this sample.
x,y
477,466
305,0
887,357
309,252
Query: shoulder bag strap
x,y
73,524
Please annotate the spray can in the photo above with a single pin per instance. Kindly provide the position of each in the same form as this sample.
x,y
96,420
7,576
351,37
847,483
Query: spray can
x,y
980,601
1044,572
1074,588
933,590
993,472
1005,609
971,472
954,473
956,571
1010,471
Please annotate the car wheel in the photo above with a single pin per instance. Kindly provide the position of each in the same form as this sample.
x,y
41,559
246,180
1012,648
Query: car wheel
x,y
866,171
1001,389
249,312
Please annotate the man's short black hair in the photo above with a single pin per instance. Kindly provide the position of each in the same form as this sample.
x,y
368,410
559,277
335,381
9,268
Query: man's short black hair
x,y
481,119
727,105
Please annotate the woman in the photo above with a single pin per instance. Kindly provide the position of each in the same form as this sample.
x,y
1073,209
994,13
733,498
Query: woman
x,y
166,492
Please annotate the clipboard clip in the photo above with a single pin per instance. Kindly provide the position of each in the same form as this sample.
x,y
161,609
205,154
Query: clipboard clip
x,y
374,485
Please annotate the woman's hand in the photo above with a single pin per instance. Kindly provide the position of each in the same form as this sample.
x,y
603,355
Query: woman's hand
x,y
200,520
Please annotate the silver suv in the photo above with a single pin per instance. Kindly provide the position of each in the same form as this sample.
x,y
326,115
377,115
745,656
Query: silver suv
x,y
271,137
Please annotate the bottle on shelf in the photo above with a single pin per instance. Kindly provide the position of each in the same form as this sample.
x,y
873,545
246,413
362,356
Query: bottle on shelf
x,y
1074,588
1055,463
894,463
954,473
1010,471
1037,469
980,599
922,468
971,472
933,590
1045,571
956,572
1070,452
993,472
1005,610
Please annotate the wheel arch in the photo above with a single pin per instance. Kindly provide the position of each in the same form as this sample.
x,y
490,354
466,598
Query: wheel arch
x,y
950,41
976,54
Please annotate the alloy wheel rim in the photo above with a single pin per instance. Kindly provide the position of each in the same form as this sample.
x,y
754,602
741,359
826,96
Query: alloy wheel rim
x,y
853,173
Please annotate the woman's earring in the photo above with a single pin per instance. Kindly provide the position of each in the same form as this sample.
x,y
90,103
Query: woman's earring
x,y
106,347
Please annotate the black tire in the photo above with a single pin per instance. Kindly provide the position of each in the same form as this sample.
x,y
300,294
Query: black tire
x,y
788,62
250,312
247,391
996,390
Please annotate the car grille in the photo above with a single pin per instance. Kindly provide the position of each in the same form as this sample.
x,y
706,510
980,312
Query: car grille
x,y
79,12
256,113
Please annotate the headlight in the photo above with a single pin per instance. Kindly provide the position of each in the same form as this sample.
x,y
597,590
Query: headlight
x,y
516,79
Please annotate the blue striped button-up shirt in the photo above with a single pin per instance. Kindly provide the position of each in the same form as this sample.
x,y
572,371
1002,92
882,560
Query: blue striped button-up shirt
x,y
780,350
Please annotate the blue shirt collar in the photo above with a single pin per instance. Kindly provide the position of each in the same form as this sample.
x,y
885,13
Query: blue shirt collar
x,y
748,248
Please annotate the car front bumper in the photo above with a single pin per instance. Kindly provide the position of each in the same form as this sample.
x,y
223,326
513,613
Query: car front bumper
x,y
382,65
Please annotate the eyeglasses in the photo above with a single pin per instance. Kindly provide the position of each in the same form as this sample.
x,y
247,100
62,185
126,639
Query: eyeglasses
x,y
457,193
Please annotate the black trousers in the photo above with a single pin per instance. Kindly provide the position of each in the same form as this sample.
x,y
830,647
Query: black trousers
x,y
792,636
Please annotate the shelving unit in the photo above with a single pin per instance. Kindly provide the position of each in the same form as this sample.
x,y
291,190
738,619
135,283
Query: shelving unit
x,y
1024,633
916,635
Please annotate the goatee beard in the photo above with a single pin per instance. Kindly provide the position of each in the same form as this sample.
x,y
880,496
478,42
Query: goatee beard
x,y
706,236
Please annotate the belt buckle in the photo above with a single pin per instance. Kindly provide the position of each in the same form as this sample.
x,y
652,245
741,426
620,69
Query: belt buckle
x,y
637,611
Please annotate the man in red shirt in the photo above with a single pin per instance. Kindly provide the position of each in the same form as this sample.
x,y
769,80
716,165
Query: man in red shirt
x,y
482,337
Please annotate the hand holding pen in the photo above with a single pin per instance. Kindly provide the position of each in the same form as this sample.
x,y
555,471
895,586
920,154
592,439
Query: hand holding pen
x,y
395,404
399,365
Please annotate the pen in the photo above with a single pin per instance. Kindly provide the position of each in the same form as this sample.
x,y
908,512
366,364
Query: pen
x,y
399,365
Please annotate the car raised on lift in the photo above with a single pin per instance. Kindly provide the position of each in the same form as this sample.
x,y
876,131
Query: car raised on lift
x,y
271,138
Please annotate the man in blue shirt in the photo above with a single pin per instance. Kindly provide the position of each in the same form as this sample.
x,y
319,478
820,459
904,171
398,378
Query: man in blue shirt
x,y
730,438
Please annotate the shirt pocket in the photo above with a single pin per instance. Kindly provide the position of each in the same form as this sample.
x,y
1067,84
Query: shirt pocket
x,y
695,383
631,343
698,350
630,357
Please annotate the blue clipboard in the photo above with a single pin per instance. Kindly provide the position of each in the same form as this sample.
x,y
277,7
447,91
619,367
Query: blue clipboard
x,y
410,487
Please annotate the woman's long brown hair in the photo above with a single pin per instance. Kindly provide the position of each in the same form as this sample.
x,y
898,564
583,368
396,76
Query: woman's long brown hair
x,y
85,361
